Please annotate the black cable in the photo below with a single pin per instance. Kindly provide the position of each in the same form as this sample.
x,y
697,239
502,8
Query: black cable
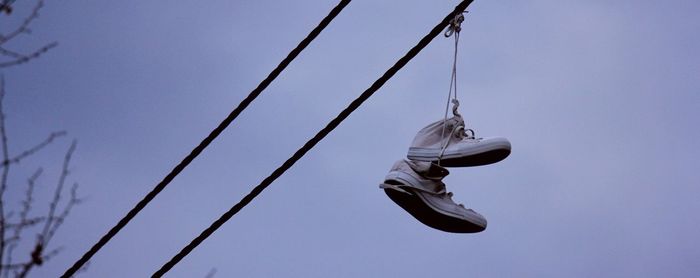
x,y
313,141
216,132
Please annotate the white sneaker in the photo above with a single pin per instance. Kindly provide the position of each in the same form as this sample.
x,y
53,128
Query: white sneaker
x,y
418,189
448,142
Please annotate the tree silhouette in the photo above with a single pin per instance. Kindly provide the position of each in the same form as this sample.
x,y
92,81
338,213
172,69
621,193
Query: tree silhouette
x,y
19,251
9,57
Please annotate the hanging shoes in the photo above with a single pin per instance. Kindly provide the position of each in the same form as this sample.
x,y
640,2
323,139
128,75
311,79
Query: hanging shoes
x,y
415,184
417,187
449,143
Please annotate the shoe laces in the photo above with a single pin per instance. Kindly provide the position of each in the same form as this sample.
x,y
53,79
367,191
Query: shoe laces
x,y
459,131
449,196
463,133
443,193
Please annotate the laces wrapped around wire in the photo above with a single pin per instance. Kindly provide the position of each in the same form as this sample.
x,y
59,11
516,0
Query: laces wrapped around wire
x,y
455,25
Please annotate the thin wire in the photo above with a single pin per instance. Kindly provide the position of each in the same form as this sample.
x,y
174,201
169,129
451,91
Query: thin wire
x,y
216,132
312,142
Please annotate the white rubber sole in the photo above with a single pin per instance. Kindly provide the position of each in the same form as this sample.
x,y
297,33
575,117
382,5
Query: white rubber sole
x,y
485,152
426,213
472,218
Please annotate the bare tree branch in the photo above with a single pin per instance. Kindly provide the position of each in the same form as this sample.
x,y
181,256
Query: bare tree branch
x,y
211,273
6,270
35,149
57,196
16,57
25,58
13,266
27,266
24,27
5,8
10,53
74,200
25,223
27,202
5,170
11,240
52,221
14,226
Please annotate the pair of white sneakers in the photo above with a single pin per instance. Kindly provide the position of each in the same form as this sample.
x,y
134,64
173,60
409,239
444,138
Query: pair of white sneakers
x,y
415,184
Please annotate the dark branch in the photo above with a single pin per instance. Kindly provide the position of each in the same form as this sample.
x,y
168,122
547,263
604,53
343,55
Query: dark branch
x,y
28,199
58,221
36,260
211,273
52,220
10,53
58,209
16,57
35,149
26,58
24,27
5,170
10,250
11,239
25,223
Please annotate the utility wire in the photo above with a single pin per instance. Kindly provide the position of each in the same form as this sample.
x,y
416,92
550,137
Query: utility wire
x,y
214,133
313,141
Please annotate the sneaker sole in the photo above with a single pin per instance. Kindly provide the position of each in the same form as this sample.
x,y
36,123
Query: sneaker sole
x,y
415,206
459,159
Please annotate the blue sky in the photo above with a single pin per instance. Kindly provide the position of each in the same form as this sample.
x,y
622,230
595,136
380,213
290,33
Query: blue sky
x,y
600,100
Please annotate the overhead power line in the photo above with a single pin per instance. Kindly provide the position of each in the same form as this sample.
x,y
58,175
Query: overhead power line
x,y
313,141
210,138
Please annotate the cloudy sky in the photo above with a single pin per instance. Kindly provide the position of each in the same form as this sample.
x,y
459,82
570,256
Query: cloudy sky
x,y
600,100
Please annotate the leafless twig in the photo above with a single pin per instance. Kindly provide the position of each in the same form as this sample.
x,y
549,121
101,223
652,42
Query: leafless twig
x,y
10,53
21,59
59,207
25,223
24,27
16,57
35,149
14,226
5,170
211,273
52,221
27,202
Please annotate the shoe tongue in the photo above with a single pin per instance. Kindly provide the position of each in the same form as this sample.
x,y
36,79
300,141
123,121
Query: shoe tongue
x,y
458,121
454,122
428,170
436,172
